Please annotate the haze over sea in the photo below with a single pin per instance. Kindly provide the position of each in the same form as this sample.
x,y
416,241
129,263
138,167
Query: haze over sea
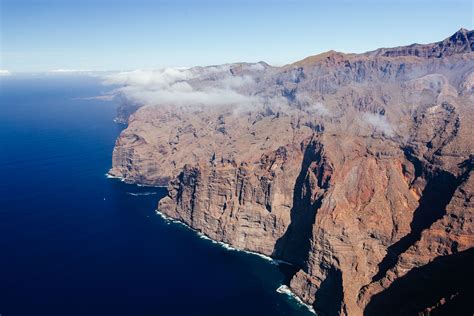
x,y
74,242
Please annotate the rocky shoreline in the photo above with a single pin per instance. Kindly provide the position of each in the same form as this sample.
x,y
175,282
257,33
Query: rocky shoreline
x,y
283,289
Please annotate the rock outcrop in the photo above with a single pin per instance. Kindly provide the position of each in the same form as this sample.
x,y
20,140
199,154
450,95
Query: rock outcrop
x,y
355,168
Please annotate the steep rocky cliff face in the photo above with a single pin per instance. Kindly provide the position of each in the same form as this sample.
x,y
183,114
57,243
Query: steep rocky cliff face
x,y
357,169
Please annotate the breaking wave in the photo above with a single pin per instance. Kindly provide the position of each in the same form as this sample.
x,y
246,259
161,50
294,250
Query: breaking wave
x,y
283,289
220,243
142,193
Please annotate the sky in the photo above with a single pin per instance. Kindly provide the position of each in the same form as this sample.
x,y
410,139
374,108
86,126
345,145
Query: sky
x,y
45,35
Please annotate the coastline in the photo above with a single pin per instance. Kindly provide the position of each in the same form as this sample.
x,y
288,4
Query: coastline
x,y
282,289
109,176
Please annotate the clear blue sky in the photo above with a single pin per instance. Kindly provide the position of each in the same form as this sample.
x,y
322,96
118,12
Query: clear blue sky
x,y
41,35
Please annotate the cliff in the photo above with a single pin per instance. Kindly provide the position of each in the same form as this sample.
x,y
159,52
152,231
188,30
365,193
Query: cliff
x,y
356,168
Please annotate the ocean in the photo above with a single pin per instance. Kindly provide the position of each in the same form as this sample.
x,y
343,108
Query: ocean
x,y
74,242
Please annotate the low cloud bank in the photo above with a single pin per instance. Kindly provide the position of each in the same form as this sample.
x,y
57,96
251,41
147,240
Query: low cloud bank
x,y
208,86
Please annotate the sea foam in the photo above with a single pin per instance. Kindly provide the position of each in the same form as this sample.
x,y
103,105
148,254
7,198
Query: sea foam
x,y
220,243
283,289
109,176
142,193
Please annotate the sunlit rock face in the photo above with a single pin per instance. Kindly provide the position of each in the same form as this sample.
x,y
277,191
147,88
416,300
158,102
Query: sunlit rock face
x,y
356,168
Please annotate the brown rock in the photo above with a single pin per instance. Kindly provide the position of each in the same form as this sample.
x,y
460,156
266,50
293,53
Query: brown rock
x,y
362,177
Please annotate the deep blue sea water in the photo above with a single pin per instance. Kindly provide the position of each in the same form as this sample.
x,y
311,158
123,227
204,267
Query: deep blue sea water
x,y
73,242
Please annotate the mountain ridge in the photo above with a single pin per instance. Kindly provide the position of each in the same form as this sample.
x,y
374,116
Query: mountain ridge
x,y
463,39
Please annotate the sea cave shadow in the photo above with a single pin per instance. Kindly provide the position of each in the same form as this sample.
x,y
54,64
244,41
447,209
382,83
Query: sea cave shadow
x,y
447,277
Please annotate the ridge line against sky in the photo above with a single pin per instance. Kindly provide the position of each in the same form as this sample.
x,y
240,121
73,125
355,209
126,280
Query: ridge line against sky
x,y
43,35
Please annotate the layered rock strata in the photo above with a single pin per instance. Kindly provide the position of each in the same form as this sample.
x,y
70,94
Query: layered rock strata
x,y
356,168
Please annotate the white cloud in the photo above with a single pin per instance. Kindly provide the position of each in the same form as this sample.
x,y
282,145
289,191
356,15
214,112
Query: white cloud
x,y
258,66
182,94
106,97
379,122
70,70
76,72
161,78
209,86
4,72
312,106
319,108
236,82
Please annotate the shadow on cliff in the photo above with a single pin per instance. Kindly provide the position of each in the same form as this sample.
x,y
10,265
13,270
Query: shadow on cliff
x,y
330,295
432,207
295,243
294,246
447,278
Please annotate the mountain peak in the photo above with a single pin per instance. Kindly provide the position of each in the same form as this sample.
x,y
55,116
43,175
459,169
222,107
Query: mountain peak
x,y
463,36
462,30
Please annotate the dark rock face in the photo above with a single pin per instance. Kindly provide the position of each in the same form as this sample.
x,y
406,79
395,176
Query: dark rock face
x,y
310,186
355,168
441,287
